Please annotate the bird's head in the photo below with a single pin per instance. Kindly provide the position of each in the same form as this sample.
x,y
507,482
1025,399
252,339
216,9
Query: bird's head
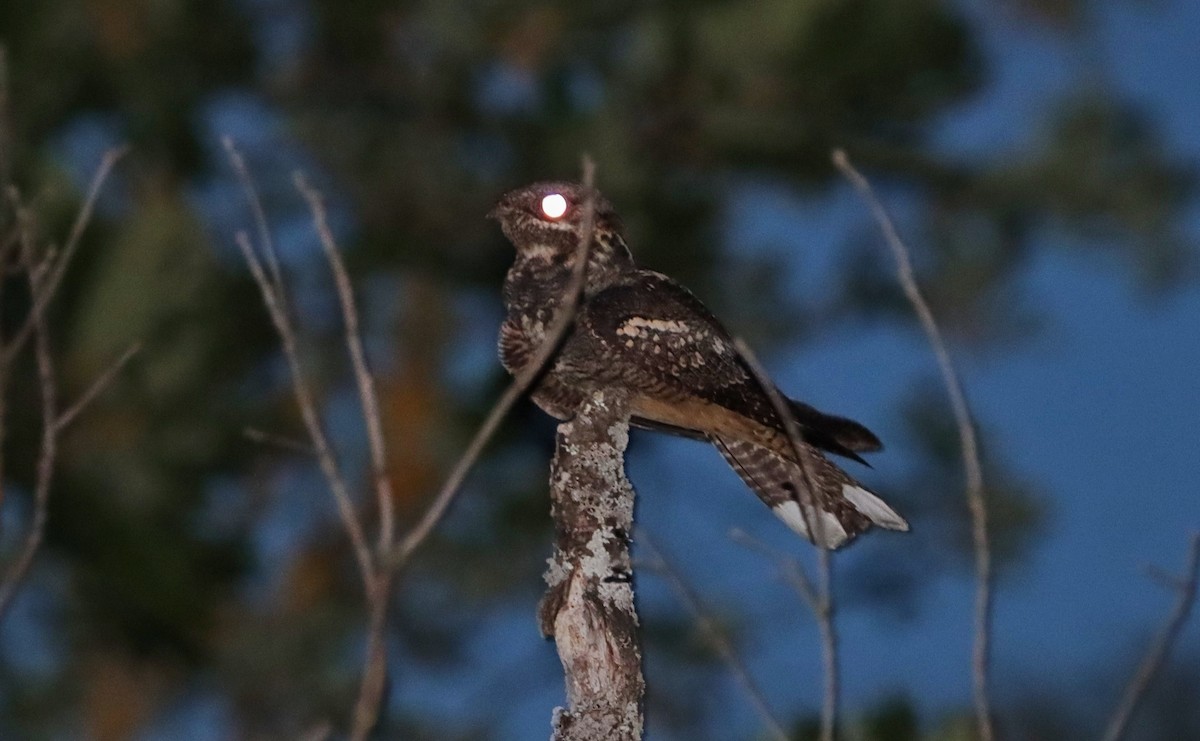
x,y
548,217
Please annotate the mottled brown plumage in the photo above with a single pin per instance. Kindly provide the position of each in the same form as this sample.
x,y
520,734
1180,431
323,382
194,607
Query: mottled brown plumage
x,y
641,331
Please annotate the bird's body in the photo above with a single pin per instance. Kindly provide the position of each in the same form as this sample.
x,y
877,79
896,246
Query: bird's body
x,y
644,333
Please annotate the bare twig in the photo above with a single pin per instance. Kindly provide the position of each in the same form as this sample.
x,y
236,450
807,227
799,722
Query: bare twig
x,y
260,216
44,273
12,241
102,382
714,635
377,571
981,658
48,388
794,574
373,571
308,412
791,569
365,382
1165,579
370,696
555,333
823,602
374,679
319,732
263,437
6,139
1185,588
48,287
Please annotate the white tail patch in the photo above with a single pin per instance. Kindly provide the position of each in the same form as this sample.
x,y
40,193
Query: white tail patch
x,y
831,531
873,507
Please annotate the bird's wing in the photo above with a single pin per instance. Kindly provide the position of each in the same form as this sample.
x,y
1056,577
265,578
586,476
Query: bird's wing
x,y
660,338
663,340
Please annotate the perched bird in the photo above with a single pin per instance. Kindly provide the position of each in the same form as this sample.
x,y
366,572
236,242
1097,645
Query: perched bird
x,y
642,332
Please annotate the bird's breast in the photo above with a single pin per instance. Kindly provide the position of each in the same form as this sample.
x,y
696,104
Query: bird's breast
x,y
520,336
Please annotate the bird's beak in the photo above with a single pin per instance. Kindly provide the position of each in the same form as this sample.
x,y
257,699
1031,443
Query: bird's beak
x,y
499,211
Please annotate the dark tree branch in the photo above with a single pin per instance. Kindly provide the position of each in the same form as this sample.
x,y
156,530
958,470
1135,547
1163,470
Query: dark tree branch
x,y
588,608
981,658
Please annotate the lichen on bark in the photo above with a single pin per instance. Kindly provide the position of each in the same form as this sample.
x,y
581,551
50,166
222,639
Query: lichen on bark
x,y
589,606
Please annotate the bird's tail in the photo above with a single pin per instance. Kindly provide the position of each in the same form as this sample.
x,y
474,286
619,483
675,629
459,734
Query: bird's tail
x,y
835,434
843,507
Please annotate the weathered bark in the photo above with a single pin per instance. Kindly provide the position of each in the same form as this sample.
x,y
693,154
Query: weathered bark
x,y
588,608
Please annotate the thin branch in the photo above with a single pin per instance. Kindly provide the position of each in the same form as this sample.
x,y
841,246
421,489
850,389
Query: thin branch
x,y
48,287
1163,578
981,658
305,400
376,576
12,241
262,437
260,216
274,298
374,679
823,604
6,127
714,635
367,396
791,569
48,388
794,574
370,696
320,732
44,274
555,334
1156,655
102,382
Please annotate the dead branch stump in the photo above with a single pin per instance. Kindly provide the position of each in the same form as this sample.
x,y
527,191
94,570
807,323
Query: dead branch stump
x,y
588,609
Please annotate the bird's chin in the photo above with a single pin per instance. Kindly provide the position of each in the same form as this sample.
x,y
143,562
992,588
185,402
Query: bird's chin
x,y
509,229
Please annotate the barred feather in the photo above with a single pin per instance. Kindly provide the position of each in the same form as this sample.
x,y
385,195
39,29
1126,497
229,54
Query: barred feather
x,y
843,509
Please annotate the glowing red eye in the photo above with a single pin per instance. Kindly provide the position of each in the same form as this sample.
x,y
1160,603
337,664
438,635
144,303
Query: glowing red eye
x,y
554,206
